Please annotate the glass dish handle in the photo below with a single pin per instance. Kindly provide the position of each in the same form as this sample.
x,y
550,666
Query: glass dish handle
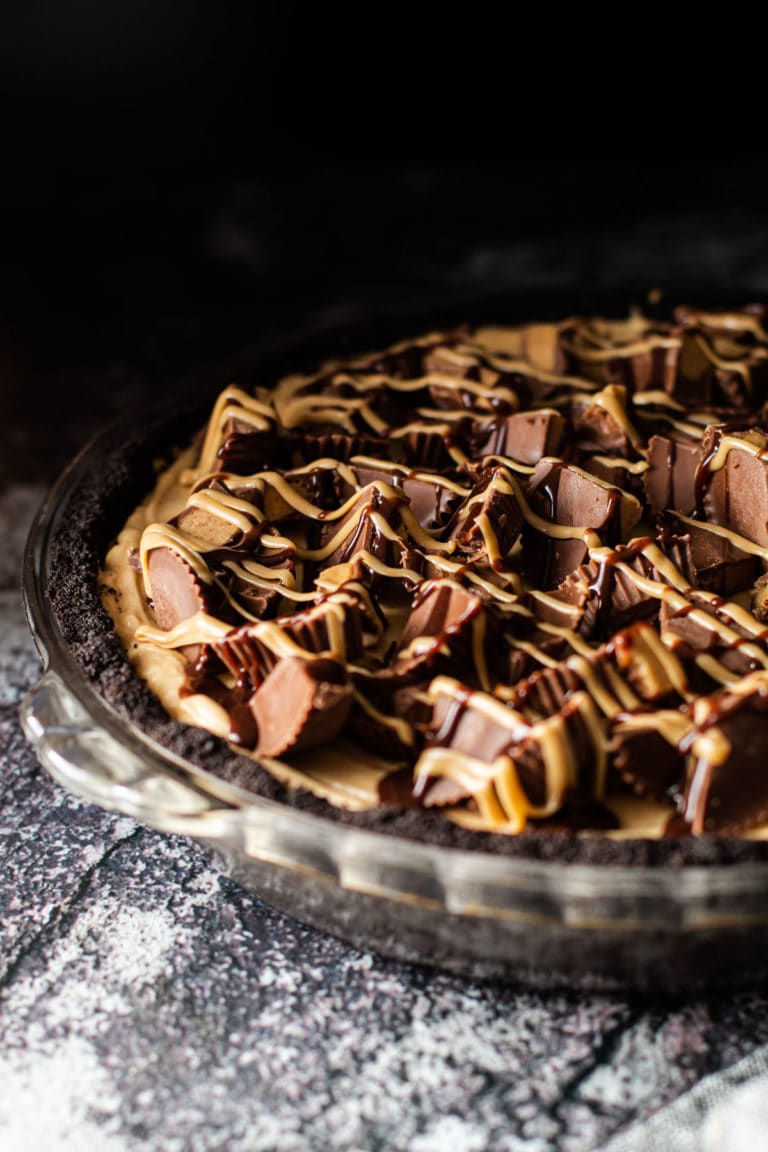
x,y
90,762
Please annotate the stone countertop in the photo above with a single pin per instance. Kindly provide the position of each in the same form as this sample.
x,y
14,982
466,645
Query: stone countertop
x,y
146,1002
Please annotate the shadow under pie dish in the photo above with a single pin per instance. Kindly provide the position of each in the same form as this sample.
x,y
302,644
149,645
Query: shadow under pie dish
x,y
481,601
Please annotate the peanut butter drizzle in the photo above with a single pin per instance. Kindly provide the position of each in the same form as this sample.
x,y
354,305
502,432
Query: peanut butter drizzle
x,y
502,803
740,542
676,592
526,367
295,407
233,404
738,363
737,322
617,340
634,467
241,514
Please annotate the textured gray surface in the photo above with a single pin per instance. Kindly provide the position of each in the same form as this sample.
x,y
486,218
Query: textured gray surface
x,y
148,1003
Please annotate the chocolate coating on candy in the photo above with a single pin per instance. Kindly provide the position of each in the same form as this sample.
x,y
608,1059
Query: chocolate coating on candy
x,y
567,497
525,436
647,758
636,353
489,521
176,591
725,356
727,778
449,629
512,769
732,481
631,671
603,594
334,627
431,498
706,558
601,423
673,465
301,704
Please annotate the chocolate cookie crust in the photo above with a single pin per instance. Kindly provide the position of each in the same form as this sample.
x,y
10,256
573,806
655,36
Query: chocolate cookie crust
x,y
94,515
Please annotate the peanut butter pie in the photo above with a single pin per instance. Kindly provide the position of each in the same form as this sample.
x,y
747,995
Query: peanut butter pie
x,y
510,579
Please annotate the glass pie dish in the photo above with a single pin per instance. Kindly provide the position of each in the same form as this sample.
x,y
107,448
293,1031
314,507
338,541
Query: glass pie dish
x,y
667,921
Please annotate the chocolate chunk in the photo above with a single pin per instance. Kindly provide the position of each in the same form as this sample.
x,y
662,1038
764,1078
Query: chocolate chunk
x,y
619,473
250,569
421,445
448,630
727,781
390,711
633,662
337,620
260,596
724,359
479,728
705,558
431,501
362,529
567,496
502,390
490,520
704,627
301,704
670,481
732,482
546,690
324,487
601,423
207,519
645,753
206,529
431,498
601,596
177,593
308,446
243,451
333,627
637,353
524,436
537,649
472,723
573,746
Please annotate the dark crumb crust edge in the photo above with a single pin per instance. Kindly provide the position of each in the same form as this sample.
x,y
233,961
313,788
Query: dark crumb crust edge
x,y
97,507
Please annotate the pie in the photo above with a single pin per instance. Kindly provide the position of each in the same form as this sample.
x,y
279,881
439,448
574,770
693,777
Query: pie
x,y
488,584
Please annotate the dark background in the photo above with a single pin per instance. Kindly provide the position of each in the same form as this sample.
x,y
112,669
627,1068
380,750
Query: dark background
x,y
179,179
